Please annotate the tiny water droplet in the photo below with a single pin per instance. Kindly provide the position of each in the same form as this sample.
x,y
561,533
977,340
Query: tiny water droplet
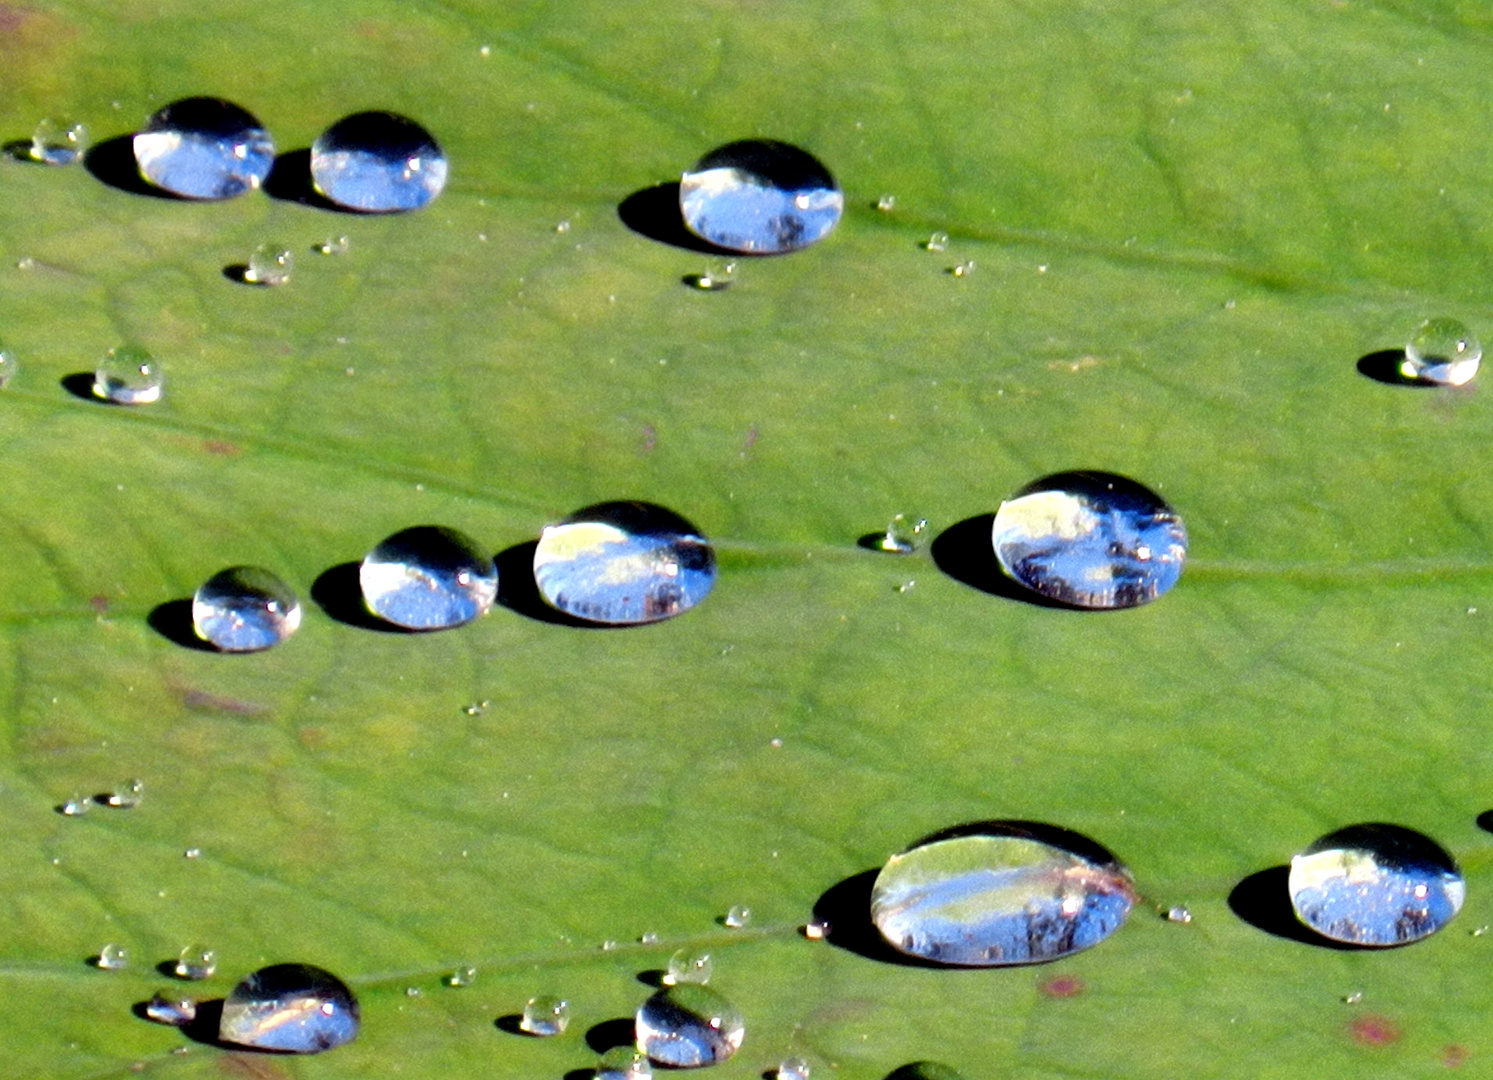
x,y
688,966
478,708
688,1026
738,916
886,203
1477,931
112,958
760,197
8,367
127,376
58,142
1442,351
245,609
204,148
196,963
624,1063
485,51
171,1009
270,265
126,796
903,534
462,976
428,578
609,945
75,806
1090,540
1375,885
648,938
964,269
334,245
998,893
793,1068
294,1008
563,227
817,929
412,991
1353,998
545,1016
623,563
907,586
192,853
717,276
378,162
26,262
1178,914
938,242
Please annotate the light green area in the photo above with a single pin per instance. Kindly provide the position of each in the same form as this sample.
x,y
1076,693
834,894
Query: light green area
x,y
1188,222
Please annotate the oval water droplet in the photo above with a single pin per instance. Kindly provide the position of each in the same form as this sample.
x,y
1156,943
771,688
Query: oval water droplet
x,y
58,142
171,1009
270,265
294,1008
688,966
624,1063
738,916
112,958
1375,885
1090,540
1442,351
245,609
998,893
125,796
545,1016
378,162
204,148
462,976
688,1026
127,375
623,563
428,578
760,197
196,963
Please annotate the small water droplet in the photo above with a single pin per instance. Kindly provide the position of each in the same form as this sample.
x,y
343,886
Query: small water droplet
x,y
1178,914
1442,351
545,1016
1353,998
171,1009
478,708
761,197
817,929
8,367
997,893
717,276
245,609
462,976
112,958
270,265
623,563
75,806
127,376
563,227
412,991
907,586
1477,931
378,162
58,142
294,1008
192,853
609,945
624,1063
1375,885
938,242
204,148
737,917
125,796
196,963
793,1068
688,1026
688,966
1090,540
648,938
964,269
903,534
428,578
334,245
887,203
485,51
25,262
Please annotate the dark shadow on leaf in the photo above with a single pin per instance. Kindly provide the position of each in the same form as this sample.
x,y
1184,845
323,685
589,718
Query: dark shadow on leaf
x,y
204,1027
966,553
239,274
339,593
580,1074
654,212
20,150
608,1034
513,1023
873,542
653,977
290,181
173,621
847,909
1384,367
80,385
518,592
112,162
1485,821
1264,901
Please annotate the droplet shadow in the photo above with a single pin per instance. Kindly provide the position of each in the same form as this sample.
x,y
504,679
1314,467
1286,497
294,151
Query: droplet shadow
x,y
1485,821
653,977
846,907
204,1026
519,592
112,162
289,180
1263,900
654,212
1384,367
20,150
610,1034
339,592
965,552
513,1024
173,621
80,385
238,273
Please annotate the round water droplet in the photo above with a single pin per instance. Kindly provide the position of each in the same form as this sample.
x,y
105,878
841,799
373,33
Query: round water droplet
x,y
545,1016
760,197
717,276
126,796
624,1063
623,563
171,1009
648,938
886,203
817,929
204,148
58,142
793,1068
76,806
270,265
245,609
295,1008
112,958
938,242
688,1026
196,963
378,162
1178,914
1001,892
462,976
428,578
738,916
1443,351
1090,540
8,367
688,966
904,533
334,245
127,376
1375,885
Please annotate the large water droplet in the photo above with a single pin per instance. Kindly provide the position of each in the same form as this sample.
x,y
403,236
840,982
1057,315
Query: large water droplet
x,y
244,609
1090,540
196,963
1443,351
688,966
760,197
290,1007
428,578
204,148
545,1016
688,1026
378,162
58,142
1001,892
624,1063
127,376
623,563
1375,885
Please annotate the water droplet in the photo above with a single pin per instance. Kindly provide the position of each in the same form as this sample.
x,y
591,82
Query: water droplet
x,y
793,1068
1178,914
1442,351
462,976
717,276
204,148
998,893
334,245
75,806
127,376
623,563
938,242
609,945
688,1026
126,796
817,929
412,991
1090,540
170,1009
907,586
964,269
545,1016
245,609
1354,998
737,917
58,142
1375,885
478,708
760,197
428,578
8,367
887,203
196,963
112,958
648,938
562,227
378,162
270,265
295,1008
624,1063
192,853
904,533
688,966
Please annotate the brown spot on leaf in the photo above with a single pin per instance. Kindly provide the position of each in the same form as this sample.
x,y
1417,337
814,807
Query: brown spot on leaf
x,y
312,737
1061,986
99,603
1453,1056
222,447
202,701
1374,1031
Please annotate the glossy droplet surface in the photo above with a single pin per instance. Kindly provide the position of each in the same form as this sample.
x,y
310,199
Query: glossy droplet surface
x,y
998,893
378,162
689,1026
125,796
127,375
1375,885
716,277
462,976
545,1016
75,806
1442,351
171,1010
196,963
290,1007
58,142
623,563
903,534
204,148
624,1063
689,966
245,609
793,1068
760,197
1090,540
428,578
112,958
270,265
737,917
